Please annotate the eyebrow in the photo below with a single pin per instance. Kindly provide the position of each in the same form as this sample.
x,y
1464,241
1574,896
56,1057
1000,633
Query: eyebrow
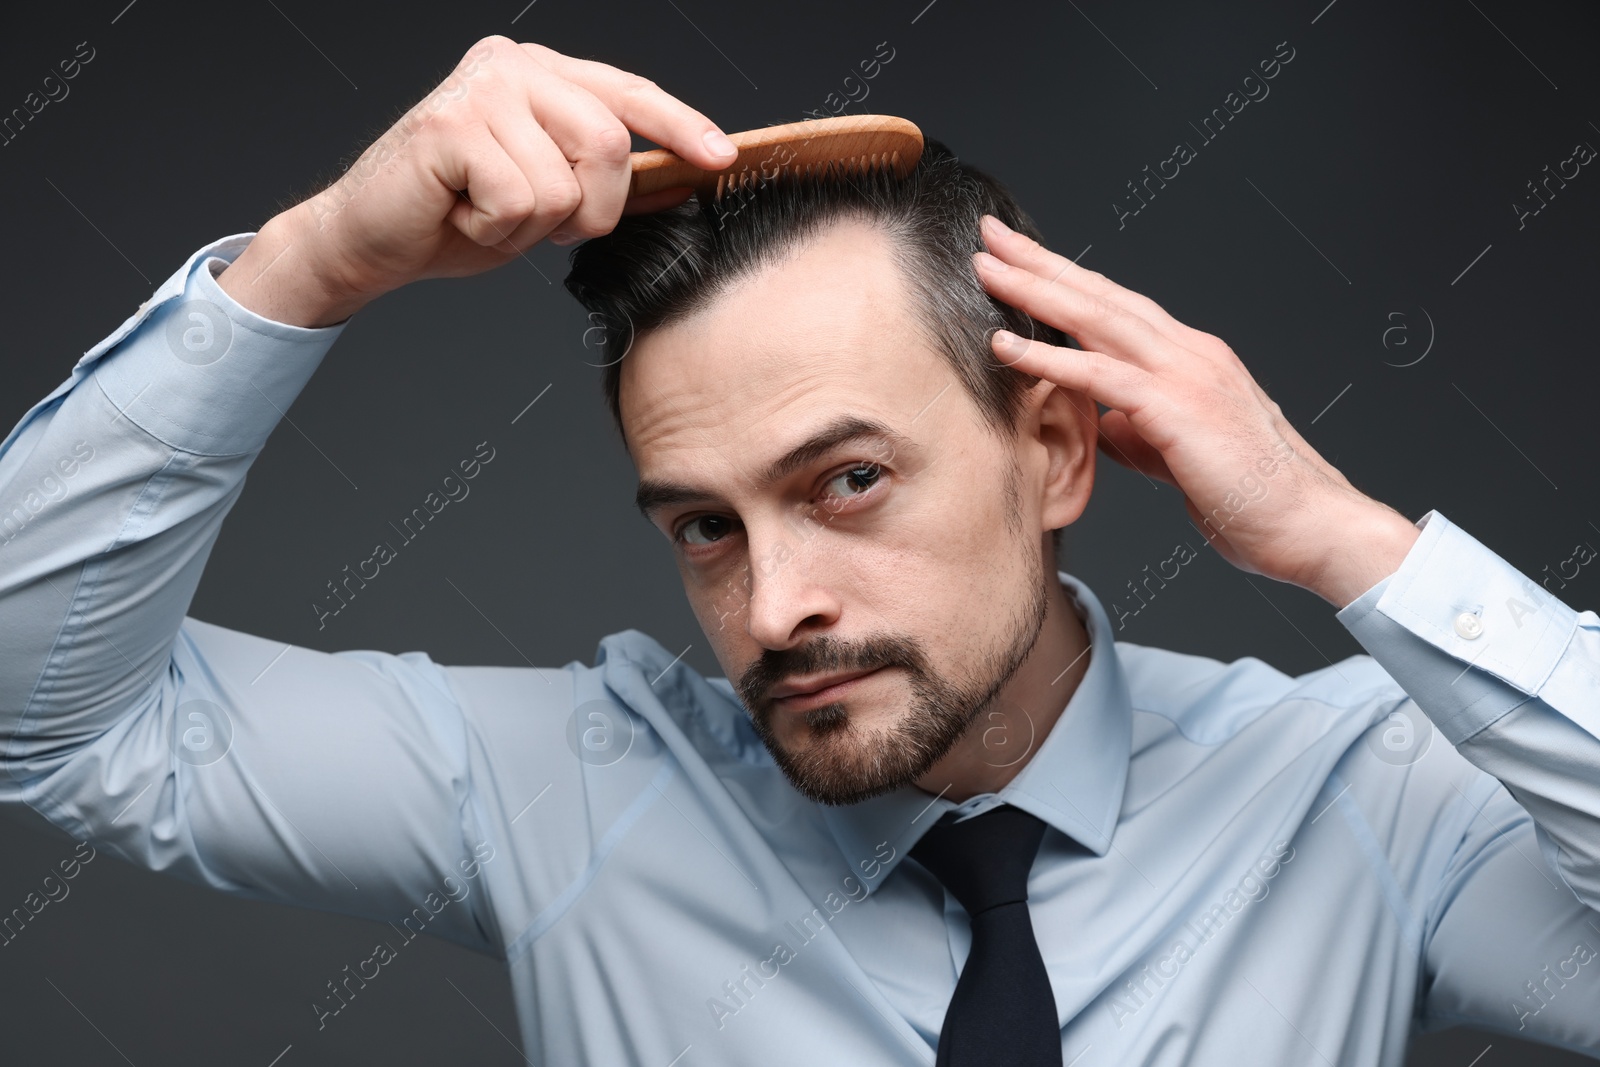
x,y
653,494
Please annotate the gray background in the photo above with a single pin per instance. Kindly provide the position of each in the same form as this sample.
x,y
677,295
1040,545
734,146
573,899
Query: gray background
x,y
1350,201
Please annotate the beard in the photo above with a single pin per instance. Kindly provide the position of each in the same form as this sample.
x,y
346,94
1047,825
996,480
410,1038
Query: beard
x,y
844,762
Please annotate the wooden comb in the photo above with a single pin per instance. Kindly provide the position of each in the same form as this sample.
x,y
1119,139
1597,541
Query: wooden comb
x,y
843,144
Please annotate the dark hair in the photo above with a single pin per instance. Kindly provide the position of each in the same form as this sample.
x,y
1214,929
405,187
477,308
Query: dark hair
x,y
655,269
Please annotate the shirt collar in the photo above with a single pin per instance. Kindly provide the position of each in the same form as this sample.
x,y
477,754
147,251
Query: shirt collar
x,y
1073,782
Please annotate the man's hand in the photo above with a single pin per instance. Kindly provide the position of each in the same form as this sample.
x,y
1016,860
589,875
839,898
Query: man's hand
x,y
1185,410
518,143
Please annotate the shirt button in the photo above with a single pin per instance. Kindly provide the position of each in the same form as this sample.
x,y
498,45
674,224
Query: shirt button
x,y
1469,625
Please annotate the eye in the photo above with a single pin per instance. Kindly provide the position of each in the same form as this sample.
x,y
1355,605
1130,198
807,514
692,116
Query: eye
x,y
704,530
857,480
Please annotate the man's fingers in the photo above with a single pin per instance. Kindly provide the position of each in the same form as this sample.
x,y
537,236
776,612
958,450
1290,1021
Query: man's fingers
x,y
1023,251
1123,388
590,139
644,107
499,197
557,194
1120,441
1091,319
1094,374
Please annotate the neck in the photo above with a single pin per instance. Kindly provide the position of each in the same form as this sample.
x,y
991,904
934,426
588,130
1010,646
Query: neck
x,y
1003,737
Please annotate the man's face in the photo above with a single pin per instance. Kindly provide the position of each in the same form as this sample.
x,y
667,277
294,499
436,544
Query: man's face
x,y
837,505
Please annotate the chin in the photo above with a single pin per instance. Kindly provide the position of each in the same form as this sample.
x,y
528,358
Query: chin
x,y
844,753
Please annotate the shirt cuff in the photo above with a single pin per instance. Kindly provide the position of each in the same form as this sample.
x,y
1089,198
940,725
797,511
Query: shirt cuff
x,y
1467,635
196,369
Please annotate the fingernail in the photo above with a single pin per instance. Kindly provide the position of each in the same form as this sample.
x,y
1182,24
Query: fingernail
x,y
562,238
992,262
1005,337
719,144
994,225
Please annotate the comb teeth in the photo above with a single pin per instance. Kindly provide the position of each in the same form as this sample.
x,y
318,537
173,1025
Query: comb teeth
x,y
844,167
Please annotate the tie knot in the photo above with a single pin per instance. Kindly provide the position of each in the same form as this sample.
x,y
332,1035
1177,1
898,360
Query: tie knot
x,y
984,861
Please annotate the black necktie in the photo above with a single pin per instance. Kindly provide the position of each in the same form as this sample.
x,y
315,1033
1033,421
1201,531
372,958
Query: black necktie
x,y
1002,1011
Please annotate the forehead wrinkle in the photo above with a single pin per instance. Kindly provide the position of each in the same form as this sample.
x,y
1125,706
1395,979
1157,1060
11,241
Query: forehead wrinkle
x,y
759,431
740,437
838,432
840,336
683,420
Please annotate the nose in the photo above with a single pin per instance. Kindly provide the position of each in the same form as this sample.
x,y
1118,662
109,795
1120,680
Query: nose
x,y
791,588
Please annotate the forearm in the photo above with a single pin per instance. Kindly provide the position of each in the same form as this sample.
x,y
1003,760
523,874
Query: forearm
x,y
112,491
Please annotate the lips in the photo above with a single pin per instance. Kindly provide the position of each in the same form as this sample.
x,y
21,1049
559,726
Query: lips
x,y
806,686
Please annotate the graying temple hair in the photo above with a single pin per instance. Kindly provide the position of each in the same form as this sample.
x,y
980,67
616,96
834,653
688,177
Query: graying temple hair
x,y
653,270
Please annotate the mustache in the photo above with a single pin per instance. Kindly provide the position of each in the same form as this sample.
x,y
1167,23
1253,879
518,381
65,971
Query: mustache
x,y
827,655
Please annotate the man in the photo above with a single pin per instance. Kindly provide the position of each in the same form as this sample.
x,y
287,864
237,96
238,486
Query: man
x,y
1117,854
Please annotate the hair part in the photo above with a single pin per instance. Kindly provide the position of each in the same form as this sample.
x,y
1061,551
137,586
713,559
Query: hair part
x,y
654,270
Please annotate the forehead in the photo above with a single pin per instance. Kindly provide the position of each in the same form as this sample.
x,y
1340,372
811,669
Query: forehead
x,y
829,330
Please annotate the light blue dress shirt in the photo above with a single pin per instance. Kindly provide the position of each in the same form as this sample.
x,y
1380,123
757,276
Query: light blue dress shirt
x,y
1240,866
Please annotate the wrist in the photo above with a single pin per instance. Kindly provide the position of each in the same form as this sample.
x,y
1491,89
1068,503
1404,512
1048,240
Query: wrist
x,y
281,277
1368,547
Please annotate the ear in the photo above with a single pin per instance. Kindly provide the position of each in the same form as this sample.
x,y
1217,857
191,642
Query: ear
x,y
1064,428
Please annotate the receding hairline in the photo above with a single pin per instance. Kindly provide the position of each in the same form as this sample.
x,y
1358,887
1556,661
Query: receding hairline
x,y
785,247
789,246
